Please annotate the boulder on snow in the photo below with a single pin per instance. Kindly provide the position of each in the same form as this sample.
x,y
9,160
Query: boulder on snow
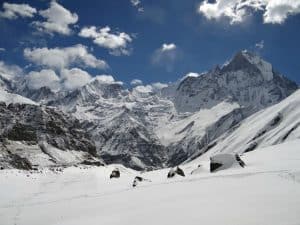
x,y
225,161
138,179
173,172
115,173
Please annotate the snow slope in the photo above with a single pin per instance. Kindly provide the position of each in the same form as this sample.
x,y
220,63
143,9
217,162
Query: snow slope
x,y
14,98
274,125
266,191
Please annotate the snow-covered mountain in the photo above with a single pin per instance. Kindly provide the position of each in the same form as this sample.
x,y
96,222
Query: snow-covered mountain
x,y
33,135
270,126
147,127
246,79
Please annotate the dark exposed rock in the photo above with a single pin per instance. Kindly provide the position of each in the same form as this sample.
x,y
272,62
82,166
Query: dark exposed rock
x,y
225,161
290,131
20,162
239,160
22,132
92,163
115,173
19,122
215,166
138,179
177,171
251,147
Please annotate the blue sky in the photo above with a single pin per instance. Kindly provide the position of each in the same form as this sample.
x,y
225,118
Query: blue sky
x,y
156,41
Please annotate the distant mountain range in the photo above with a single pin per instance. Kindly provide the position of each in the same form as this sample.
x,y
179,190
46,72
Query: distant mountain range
x,y
233,108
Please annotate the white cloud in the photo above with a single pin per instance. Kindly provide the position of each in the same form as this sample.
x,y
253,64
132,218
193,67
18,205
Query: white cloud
x,y
48,78
104,78
58,19
74,78
9,71
165,56
278,11
137,4
116,42
158,85
168,47
144,89
59,58
13,11
275,11
260,45
67,79
2,49
136,82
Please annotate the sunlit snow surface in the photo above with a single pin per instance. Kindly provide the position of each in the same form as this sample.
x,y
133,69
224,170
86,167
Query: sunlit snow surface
x,y
267,192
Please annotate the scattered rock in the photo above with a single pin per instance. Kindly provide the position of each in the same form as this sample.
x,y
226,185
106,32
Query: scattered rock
x,y
173,172
115,173
224,161
240,161
138,179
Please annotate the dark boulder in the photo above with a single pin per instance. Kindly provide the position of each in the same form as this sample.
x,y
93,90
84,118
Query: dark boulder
x,y
177,171
225,161
138,179
115,173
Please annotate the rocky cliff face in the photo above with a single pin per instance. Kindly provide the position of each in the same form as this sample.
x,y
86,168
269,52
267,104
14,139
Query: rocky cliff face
x,y
246,79
42,136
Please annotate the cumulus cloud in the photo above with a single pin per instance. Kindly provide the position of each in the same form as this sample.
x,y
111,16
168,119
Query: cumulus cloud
x,y
58,58
13,11
9,71
116,42
46,77
274,11
104,78
277,11
136,82
58,19
165,56
74,78
144,89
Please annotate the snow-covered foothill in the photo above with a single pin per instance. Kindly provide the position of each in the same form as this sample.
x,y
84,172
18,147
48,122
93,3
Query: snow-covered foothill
x,y
274,125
